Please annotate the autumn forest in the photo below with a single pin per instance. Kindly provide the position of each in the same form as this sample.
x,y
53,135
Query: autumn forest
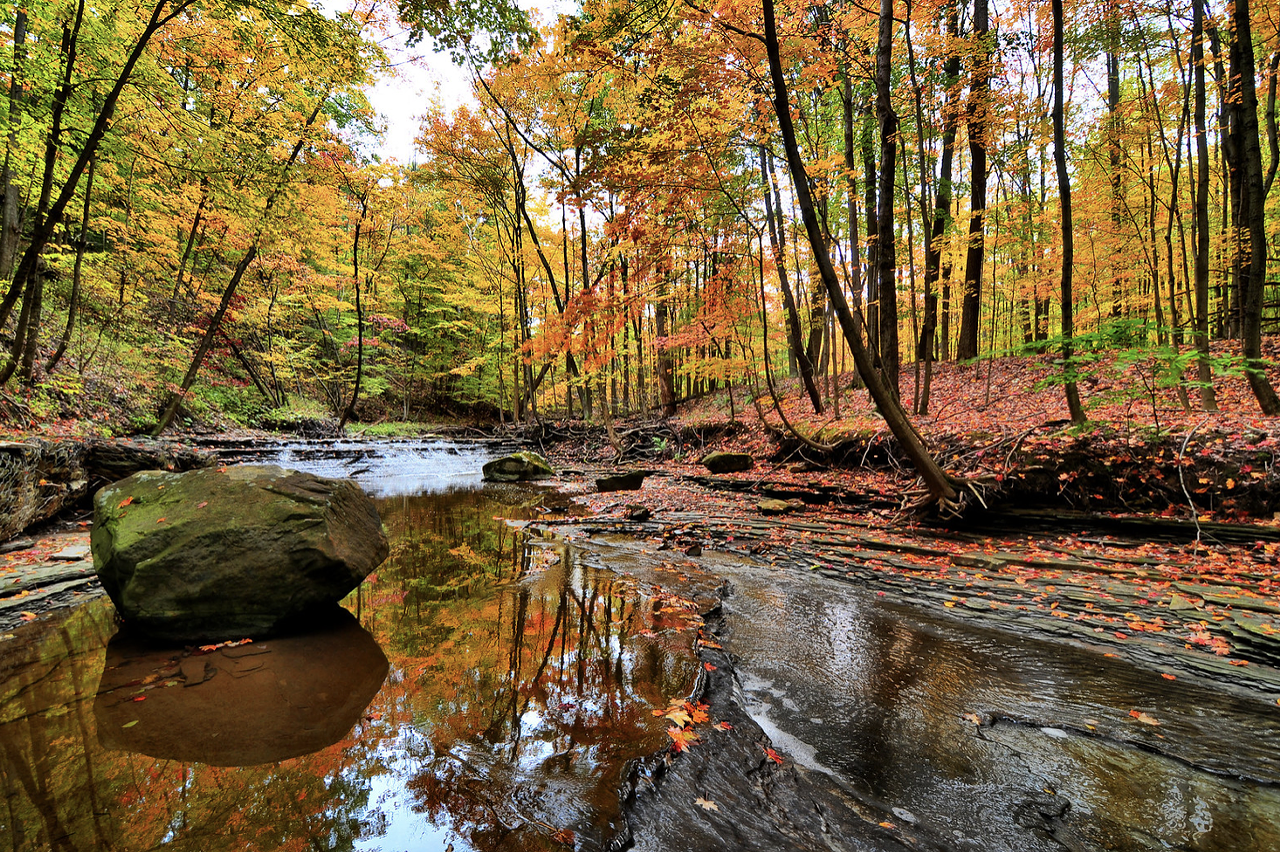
x,y
641,203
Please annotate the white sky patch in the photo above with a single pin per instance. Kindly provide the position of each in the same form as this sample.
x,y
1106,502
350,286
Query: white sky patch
x,y
424,77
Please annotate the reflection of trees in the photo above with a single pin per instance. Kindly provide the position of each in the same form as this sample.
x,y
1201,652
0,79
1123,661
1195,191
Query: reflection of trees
x,y
536,691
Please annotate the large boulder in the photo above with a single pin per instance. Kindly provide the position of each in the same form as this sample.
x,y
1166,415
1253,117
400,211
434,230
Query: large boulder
x,y
233,552
632,480
518,467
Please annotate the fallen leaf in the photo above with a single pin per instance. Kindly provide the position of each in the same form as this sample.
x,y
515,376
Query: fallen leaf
x,y
773,755
125,502
1168,676
1144,718
129,724
682,739
706,804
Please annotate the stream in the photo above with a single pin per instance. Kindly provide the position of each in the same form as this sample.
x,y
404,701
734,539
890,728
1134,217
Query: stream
x,y
491,687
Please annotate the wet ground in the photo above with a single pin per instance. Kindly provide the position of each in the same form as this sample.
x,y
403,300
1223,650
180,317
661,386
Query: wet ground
x,y
528,692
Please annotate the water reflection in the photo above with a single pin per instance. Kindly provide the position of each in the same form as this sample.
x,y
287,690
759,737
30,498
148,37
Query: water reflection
x,y
520,679
879,697
240,705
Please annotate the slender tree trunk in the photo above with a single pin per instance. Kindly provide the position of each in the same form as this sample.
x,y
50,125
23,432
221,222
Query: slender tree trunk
x,y
798,349
73,302
936,235
979,103
939,485
10,221
1064,201
886,245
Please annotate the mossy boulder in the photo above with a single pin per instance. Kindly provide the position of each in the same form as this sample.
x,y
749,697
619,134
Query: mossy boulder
x,y
725,462
518,467
233,552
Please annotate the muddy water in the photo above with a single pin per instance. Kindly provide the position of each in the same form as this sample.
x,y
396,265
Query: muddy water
x,y
483,691
988,741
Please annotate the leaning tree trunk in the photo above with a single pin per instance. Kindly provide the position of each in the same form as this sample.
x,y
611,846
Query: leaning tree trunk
x,y
941,487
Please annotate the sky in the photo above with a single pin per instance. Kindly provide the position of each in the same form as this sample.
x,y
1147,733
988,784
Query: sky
x,y
423,77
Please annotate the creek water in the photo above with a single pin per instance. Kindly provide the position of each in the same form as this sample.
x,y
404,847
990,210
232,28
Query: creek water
x,y
486,689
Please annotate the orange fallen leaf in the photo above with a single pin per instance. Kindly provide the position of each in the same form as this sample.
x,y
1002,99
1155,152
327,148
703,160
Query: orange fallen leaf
x,y
125,502
773,755
1168,676
682,739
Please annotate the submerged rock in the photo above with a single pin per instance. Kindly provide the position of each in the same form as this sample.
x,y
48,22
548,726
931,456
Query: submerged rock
x,y
518,467
723,462
233,552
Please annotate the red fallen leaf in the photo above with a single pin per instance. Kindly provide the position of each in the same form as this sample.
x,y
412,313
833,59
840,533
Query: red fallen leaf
x,y
773,755
161,520
138,698
1168,676
125,502
725,726
708,667
1120,635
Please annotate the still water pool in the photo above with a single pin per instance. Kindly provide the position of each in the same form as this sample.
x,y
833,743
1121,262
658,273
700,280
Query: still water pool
x,y
483,690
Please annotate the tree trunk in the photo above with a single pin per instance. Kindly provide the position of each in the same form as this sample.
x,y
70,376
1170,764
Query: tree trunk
x,y
1253,265
1064,201
979,98
798,350
886,245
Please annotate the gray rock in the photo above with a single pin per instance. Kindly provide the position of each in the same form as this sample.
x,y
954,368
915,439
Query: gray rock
x,y
629,481
233,552
639,513
723,462
518,467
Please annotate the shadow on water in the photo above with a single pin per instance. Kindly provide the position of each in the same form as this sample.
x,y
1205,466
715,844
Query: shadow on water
x,y
516,682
